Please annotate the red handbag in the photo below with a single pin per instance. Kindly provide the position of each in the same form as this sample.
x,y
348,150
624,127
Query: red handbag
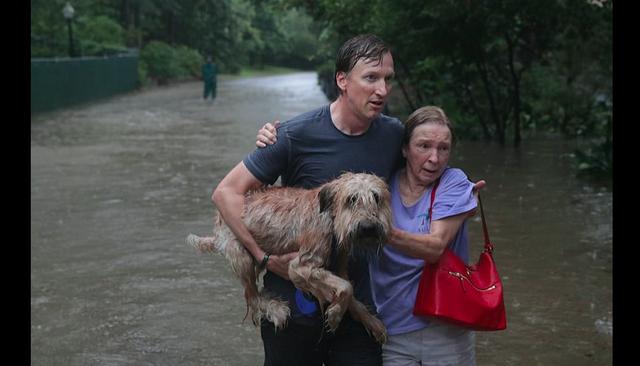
x,y
468,296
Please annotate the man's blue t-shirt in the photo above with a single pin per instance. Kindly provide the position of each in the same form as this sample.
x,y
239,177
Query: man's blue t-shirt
x,y
311,151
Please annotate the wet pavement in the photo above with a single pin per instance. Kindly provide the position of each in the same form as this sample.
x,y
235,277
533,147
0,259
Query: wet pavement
x,y
117,185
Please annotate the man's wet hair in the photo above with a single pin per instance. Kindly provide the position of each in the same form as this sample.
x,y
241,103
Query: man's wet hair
x,y
364,46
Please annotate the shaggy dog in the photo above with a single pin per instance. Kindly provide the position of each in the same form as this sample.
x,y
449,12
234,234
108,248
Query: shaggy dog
x,y
354,210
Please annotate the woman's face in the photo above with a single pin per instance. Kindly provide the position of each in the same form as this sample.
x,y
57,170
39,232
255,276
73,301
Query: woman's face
x,y
428,152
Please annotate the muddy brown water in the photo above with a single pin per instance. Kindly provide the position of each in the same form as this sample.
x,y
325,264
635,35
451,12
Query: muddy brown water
x,y
117,185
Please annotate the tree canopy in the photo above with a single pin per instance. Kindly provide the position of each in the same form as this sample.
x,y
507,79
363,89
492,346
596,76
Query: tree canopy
x,y
503,69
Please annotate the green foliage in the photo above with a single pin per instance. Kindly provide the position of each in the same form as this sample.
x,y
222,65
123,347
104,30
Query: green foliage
x,y
160,61
99,36
163,63
236,33
503,68
595,160
143,74
48,29
189,61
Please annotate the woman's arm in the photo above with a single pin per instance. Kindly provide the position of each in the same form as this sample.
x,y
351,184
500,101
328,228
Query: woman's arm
x,y
429,246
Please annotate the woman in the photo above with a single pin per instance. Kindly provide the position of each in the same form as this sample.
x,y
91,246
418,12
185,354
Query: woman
x,y
416,238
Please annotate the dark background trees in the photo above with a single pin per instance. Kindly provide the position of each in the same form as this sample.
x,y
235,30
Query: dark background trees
x,y
503,69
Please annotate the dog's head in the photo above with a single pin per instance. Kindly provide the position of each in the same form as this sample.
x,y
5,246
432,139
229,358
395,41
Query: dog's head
x,y
359,207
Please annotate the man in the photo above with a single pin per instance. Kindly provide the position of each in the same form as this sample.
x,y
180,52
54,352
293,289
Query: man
x,y
350,134
209,75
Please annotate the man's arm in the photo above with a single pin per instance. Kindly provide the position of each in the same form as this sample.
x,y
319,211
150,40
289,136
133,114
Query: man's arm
x,y
229,199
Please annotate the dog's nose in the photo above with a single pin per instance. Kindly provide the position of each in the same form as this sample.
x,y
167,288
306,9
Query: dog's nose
x,y
368,228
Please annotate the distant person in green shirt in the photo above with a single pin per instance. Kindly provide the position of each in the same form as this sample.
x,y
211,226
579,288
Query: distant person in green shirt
x,y
209,73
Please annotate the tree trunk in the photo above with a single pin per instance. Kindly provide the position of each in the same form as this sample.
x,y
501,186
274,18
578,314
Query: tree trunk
x,y
492,105
515,81
125,17
407,98
405,92
466,87
419,96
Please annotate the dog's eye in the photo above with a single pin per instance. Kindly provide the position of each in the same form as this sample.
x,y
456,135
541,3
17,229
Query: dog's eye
x,y
352,200
376,197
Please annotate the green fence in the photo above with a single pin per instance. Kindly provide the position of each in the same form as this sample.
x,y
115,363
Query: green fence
x,y
62,82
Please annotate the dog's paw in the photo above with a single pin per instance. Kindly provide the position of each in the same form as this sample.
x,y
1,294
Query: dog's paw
x,y
277,312
376,328
333,316
379,332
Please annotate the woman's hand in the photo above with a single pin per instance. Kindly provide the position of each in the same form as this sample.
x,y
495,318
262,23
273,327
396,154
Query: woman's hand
x,y
394,236
267,134
477,186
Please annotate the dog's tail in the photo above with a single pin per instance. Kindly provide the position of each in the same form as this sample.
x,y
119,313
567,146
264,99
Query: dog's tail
x,y
206,244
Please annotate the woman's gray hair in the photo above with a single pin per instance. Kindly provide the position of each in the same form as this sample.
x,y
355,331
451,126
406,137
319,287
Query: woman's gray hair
x,y
427,114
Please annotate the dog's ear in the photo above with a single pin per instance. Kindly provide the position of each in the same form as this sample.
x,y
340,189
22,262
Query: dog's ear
x,y
325,196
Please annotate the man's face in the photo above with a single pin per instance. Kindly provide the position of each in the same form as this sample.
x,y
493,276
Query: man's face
x,y
367,86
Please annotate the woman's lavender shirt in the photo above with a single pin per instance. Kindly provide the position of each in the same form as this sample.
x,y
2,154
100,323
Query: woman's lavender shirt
x,y
395,276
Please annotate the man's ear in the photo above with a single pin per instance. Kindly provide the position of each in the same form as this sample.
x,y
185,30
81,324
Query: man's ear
x,y
341,80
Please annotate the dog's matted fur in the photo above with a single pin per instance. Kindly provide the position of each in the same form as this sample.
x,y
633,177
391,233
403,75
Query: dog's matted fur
x,y
354,208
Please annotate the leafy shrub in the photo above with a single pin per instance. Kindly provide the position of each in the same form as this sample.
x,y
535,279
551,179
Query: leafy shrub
x,y
143,74
99,36
596,159
189,61
160,61
164,63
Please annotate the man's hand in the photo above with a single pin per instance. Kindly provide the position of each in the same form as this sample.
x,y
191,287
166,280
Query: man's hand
x,y
267,134
279,264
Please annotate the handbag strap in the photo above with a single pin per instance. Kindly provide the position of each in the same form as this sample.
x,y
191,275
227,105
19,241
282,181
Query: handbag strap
x,y
488,247
433,197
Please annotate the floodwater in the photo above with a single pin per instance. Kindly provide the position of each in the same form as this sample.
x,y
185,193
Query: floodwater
x,y
117,185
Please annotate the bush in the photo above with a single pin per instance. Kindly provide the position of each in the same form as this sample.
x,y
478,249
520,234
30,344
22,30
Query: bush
x,y
163,63
100,36
189,61
596,159
143,74
160,61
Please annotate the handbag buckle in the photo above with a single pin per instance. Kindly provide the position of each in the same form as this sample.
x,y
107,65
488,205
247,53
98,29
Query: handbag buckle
x,y
488,248
462,277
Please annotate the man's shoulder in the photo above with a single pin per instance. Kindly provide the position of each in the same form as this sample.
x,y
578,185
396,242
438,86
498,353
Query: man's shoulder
x,y
312,115
390,119
391,123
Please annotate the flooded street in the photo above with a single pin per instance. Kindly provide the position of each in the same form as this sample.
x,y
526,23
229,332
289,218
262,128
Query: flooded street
x,y
116,186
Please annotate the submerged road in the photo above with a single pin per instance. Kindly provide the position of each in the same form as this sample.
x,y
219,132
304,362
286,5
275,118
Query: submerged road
x,y
115,188
117,185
